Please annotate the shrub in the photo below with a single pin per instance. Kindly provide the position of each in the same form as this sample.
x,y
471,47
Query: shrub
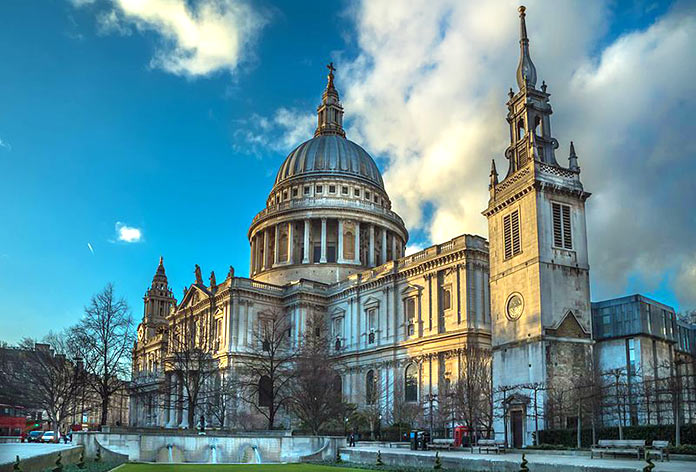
x,y
568,437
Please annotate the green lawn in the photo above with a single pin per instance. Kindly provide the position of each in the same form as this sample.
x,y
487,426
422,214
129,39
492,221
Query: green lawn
x,y
233,468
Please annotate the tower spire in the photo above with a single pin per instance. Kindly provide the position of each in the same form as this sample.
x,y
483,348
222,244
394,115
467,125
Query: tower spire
x,y
330,112
573,159
526,72
493,175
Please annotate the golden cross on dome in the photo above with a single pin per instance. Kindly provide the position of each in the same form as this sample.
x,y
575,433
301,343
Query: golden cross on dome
x,y
331,68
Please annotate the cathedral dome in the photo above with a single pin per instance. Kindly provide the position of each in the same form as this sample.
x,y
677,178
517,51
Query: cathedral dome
x,y
328,214
329,155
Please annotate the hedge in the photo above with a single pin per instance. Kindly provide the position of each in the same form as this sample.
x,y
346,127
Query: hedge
x,y
568,437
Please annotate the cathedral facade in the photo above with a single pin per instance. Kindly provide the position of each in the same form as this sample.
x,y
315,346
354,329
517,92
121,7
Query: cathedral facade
x,y
328,243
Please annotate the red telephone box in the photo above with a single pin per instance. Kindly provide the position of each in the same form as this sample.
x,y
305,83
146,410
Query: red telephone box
x,y
461,436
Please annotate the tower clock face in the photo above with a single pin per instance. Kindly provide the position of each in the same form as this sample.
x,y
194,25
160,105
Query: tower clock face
x,y
514,306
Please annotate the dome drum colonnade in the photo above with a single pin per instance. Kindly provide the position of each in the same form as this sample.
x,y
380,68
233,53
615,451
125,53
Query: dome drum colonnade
x,y
328,214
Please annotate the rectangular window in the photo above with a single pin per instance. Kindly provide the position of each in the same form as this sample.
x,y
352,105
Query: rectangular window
x,y
344,190
356,192
410,315
294,192
562,236
319,189
332,189
631,356
306,190
511,234
367,195
446,299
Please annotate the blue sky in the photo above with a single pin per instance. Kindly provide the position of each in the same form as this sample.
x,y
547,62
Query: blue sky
x,y
99,132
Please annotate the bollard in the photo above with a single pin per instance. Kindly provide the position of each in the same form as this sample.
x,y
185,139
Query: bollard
x,y
523,465
438,461
379,462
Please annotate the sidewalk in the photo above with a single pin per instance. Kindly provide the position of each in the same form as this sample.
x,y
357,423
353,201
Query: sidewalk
x,y
9,451
508,462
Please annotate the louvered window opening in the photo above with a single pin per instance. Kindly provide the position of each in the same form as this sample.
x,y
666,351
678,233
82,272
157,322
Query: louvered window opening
x,y
511,234
562,235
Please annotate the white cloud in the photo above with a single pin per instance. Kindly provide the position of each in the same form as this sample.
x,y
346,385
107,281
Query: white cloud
x,y
5,145
413,248
91,249
281,132
198,38
428,89
128,234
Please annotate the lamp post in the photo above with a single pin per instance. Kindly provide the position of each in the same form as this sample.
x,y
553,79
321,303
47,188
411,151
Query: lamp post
x,y
430,398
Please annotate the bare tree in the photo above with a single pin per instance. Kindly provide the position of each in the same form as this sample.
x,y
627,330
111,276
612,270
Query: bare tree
x,y
190,355
268,371
616,384
221,397
316,396
538,409
473,389
103,338
403,413
41,376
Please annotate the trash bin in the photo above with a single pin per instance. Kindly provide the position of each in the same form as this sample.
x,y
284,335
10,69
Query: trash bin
x,y
413,439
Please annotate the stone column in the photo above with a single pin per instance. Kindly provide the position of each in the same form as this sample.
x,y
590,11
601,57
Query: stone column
x,y
371,250
252,246
291,246
172,400
264,263
184,407
339,258
305,256
357,242
395,256
323,241
384,246
276,244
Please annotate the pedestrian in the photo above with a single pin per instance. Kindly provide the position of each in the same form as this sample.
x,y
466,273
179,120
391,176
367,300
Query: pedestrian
x,y
351,443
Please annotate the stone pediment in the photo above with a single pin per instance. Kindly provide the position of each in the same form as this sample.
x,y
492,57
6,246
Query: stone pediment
x,y
371,302
337,312
193,295
411,291
569,327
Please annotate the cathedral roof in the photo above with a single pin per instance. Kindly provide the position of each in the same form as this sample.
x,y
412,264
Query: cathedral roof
x,y
330,155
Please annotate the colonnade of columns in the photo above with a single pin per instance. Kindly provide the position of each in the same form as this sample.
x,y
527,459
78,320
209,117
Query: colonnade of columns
x,y
323,240
176,405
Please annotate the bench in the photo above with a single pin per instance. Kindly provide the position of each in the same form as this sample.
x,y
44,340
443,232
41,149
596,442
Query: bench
x,y
441,444
659,448
496,445
618,446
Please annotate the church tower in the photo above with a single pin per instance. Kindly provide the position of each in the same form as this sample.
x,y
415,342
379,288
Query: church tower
x,y
539,272
158,300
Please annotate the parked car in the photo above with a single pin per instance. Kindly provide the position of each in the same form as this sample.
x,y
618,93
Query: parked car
x,y
50,436
34,436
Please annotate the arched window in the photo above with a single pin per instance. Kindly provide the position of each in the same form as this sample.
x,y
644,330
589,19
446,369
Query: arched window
x,y
265,391
411,383
537,126
370,390
520,129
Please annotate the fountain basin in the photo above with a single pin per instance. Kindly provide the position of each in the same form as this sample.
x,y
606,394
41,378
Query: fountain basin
x,y
163,447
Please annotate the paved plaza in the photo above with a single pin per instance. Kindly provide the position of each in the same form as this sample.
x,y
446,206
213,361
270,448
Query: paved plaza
x,y
9,451
538,461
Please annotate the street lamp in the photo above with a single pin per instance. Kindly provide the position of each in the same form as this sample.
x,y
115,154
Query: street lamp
x,y
430,398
